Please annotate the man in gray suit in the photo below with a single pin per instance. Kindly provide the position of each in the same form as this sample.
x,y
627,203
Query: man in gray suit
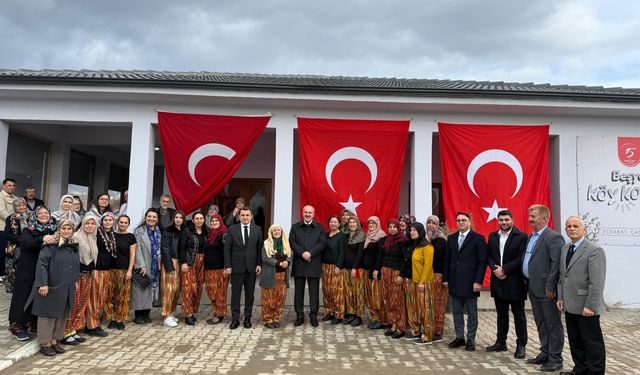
x,y
540,269
580,297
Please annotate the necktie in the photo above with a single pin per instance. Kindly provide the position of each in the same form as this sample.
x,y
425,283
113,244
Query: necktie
x,y
572,249
246,234
460,241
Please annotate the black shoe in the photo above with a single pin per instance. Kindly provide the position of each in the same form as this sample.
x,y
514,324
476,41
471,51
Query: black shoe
x,y
335,321
98,332
389,332
568,373
396,335
497,347
48,351
375,325
551,367
217,320
348,319
234,324
471,346
120,326
276,324
437,338
314,321
328,317
457,343
58,349
520,352
247,323
148,320
540,359
139,320
112,324
357,321
269,325
70,341
299,321
190,321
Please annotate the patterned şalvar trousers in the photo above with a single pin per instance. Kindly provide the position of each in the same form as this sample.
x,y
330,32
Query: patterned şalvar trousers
x,y
51,329
439,303
80,302
332,291
191,285
273,300
393,298
170,284
373,293
354,292
420,315
426,311
414,307
217,284
100,289
117,305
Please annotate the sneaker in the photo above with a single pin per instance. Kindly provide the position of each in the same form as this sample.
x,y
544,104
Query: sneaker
x,y
437,338
79,338
168,322
174,318
411,337
420,341
70,341
21,335
2,279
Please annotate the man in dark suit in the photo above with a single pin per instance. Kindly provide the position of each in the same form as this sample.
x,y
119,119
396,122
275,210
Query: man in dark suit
x,y
540,269
580,296
243,261
307,240
505,249
464,267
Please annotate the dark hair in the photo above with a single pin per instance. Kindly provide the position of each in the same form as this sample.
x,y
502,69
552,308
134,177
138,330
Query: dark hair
x,y
95,203
8,179
80,200
331,217
246,208
468,215
30,187
505,213
126,216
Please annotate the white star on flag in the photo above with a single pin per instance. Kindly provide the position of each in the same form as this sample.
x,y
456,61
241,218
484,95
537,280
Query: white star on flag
x,y
351,205
493,211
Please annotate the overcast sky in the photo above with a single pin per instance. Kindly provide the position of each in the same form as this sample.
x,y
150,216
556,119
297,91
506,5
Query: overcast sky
x,y
560,42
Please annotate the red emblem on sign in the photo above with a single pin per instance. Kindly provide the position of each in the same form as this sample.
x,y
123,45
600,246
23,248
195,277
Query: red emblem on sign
x,y
629,151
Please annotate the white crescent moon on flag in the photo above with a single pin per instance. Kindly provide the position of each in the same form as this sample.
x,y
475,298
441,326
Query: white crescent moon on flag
x,y
498,156
352,153
209,149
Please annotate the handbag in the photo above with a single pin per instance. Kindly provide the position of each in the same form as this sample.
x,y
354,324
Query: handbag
x,y
142,281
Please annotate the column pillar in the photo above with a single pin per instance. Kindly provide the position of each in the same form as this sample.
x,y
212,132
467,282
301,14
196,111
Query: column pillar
x,y
283,176
4,144
58,174
421,164
140,170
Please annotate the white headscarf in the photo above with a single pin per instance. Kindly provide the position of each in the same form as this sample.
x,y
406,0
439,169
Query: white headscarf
x,y
67,215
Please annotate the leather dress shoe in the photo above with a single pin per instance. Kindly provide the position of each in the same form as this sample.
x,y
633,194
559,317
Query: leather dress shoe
x,y
551,367
247,323
540,359
497,347
520,352
298,322
471,346
234,324
457,343
314,321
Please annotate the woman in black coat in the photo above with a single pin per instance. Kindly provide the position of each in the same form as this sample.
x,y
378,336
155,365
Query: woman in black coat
x,y
170,276
40,231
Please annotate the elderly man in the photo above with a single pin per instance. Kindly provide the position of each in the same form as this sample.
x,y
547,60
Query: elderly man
x,y
6,209
166,212
580,297
540,269
30,197
307,240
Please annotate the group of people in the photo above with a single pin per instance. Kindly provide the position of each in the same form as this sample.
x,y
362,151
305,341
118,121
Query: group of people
x,y
75,269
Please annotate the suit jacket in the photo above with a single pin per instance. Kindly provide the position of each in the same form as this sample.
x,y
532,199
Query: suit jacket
x,y
310,238
543,264
466,266
582,283
513,287
239,257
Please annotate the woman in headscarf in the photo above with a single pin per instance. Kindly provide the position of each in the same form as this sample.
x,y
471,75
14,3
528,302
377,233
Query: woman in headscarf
x,y
101,205
86,239
391,261
149,237
212,210
14,225
191,255
274,278
373,295
439,291
405,223
215,280
344,221
78,207
170,276
101,285
54,287
332,280
419,276
66,211
39,231
354,277
116,308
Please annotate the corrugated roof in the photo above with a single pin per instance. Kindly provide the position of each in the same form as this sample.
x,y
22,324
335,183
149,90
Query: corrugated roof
x,y
315,83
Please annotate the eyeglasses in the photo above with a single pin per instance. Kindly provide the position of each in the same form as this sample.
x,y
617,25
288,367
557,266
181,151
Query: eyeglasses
x,y
461,220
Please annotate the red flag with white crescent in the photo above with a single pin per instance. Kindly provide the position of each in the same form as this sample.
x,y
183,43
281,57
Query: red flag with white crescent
x,y
488,168
202,152
352,164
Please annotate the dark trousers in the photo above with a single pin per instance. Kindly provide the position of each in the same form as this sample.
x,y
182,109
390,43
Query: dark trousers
x,y
519,319
314,295
586,343
238,281
549,325
3,251
458,305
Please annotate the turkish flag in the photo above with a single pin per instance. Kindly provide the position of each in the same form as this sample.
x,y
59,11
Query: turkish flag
x,y
202,152
352,164
488,168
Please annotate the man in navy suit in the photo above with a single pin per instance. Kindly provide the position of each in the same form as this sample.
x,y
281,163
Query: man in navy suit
x,y
243,261
464,268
